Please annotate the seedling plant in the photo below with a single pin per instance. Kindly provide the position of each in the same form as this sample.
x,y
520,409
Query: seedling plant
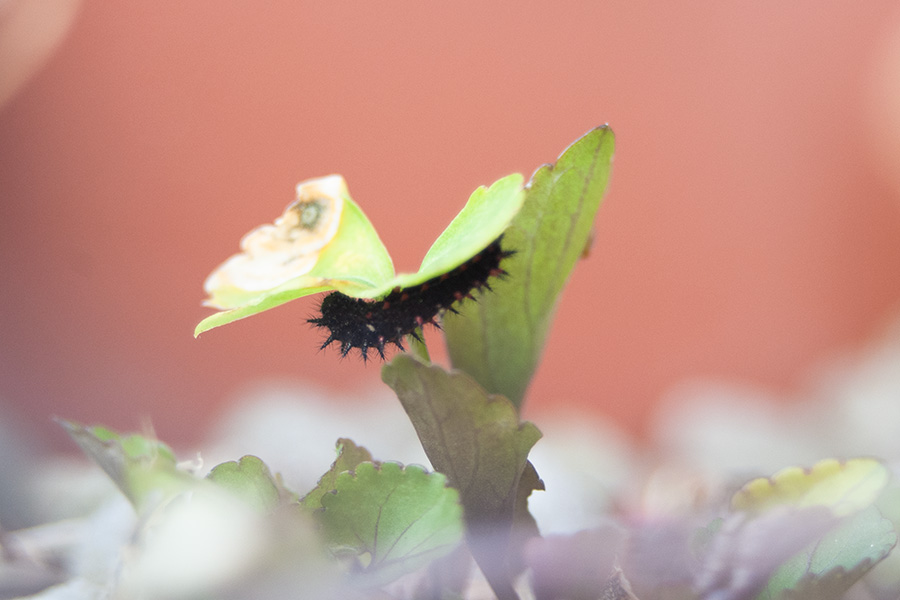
x,y
378,529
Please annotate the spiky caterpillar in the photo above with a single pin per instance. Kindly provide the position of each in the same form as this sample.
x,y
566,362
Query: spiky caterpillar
x,y
365,324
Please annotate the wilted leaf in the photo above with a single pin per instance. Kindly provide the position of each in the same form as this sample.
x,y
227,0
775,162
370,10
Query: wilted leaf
x,y
322,241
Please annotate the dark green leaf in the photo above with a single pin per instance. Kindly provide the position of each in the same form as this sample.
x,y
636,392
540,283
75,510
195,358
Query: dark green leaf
x,y
473,437
476,439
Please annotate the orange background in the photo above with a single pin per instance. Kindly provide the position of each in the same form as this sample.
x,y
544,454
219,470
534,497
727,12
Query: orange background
x,y
750,228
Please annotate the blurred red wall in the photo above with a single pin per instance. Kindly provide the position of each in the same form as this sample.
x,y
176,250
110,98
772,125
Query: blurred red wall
x,y
748,231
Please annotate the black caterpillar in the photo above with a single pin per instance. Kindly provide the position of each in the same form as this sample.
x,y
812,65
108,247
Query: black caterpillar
x,y
373,324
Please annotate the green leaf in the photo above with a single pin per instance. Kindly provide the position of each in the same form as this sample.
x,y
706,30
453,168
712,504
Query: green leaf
x,y
476,439
391,520
250,480
261,304
482,220
829,566
143,468
349,455
499,339
352,260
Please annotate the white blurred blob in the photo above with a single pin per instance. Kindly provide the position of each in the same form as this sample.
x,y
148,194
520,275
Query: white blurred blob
x,y
293,428
108,531
718,428
83,556
850,407
860,398
197,546
584,464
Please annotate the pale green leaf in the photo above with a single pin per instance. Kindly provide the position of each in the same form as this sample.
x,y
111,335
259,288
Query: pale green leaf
x,y
829,566
250,480
143,468
355,262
